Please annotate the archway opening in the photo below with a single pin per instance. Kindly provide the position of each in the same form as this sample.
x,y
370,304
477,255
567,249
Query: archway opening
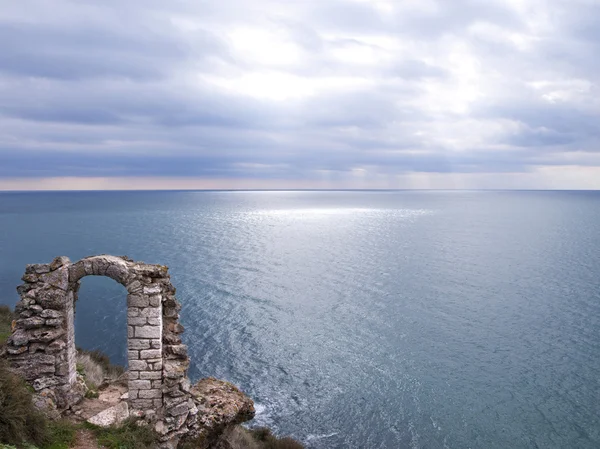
x,y
101,330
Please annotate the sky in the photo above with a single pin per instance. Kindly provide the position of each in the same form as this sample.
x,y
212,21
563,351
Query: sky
x,y
293,94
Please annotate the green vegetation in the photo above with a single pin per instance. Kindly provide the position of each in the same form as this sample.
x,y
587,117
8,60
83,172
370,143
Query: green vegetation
x,y
6,318
129,435
20,421
95,368
23,426
109,370
61,435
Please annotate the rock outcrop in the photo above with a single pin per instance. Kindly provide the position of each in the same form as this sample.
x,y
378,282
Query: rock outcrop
x,y
42,348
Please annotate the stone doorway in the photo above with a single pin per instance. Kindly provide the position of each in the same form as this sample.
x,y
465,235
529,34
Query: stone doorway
x,y
42,346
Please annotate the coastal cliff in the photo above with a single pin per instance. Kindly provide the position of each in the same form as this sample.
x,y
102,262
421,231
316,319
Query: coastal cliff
x,y
155,390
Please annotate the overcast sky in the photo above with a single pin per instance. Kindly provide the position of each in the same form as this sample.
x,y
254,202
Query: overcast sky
x,y
299,94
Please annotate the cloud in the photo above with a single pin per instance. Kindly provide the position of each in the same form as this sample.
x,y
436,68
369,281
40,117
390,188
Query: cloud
x,y
366,93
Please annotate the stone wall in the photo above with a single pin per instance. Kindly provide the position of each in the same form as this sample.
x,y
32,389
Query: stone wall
x,y
42,346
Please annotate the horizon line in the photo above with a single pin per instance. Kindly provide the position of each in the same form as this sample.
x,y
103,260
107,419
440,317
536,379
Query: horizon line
x,y
298,190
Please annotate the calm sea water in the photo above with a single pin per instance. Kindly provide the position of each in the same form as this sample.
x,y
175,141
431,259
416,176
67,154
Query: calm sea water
x,y
357,319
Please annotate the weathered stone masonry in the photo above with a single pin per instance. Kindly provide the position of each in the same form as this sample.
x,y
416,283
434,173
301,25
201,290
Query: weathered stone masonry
x,y
42,346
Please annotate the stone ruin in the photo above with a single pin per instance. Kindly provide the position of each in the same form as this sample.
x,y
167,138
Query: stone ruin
x,y
42,347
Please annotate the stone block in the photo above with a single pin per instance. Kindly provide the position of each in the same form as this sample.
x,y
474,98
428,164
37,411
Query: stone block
x,y
137,301
39,268
137,365
31,323
150,375
54,322
134,287
178,350
37,347
153,321
172,402
33,366
174,326
141,404
157,383
150,312
153,360
133,343
133,375
171,339
170,312
133,355
89,266
118,272
59,262
152,289
155,300
158,403
55,346
49,313
52,298
45,382
147,331
157,365
140,384
155,344
179,409
137,321
149,394
58,279
46,335
76,272
30,277
112,416
19,338
150,354
130,332
133,312
17,350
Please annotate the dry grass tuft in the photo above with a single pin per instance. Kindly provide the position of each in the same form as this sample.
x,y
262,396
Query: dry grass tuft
x,y
6,318
96,368
20,421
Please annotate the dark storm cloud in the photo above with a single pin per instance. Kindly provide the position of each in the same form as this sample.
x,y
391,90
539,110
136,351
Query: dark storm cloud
x,y
169,89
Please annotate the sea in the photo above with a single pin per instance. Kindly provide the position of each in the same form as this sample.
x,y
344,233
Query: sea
x,y
356,319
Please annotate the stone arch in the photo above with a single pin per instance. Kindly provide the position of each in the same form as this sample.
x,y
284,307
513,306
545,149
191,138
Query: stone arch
x,y
42,346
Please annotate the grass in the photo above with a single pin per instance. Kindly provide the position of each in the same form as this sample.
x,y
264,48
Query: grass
x,y
129,435
6,318
20,421
23,426
95,367
61,435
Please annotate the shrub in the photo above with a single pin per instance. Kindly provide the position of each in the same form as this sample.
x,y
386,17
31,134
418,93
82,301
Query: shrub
x,y
20,421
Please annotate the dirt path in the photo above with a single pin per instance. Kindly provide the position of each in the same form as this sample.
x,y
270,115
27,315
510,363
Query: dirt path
x,y
85,440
